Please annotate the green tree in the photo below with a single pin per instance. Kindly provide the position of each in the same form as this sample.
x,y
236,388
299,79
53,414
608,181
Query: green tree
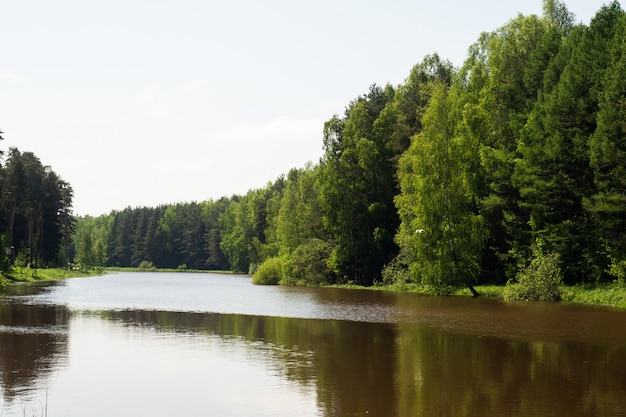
x,y
215,256
237,233
607,150
90,238
441,233
553,174
37,206
500,81
412,97
358,185
300,215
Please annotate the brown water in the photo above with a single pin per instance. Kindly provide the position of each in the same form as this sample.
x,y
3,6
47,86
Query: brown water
x,y
151,344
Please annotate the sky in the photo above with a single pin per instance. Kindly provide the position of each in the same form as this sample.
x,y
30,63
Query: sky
x,y
139,103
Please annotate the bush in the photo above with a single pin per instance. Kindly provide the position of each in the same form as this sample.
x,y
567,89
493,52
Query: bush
x,y
396,272
541,280
618,270
146,266
270,272
308,264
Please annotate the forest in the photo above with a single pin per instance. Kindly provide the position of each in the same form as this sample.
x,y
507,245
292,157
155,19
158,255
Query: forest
x,y
36,220
457,177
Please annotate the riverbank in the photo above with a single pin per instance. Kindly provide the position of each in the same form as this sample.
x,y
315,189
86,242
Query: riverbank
x,y
154,269
26,274
613,295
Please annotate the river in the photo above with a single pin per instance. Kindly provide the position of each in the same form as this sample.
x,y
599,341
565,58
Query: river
x,y
200,344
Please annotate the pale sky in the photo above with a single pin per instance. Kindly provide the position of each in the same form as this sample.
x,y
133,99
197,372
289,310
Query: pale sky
x,y
141,103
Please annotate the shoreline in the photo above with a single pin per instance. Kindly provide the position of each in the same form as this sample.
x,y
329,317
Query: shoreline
x,y
609,295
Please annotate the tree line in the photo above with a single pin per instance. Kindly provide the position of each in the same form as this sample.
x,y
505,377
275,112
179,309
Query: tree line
x,y
456,177
36,219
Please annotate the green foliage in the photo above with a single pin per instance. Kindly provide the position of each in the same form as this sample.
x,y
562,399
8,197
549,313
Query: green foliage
x,y
146,266
5,251
441,182
396,272
300,215
358,185
22,259
90,239
613,294
270,272
308,264
442,232
618,270
35,208
541,280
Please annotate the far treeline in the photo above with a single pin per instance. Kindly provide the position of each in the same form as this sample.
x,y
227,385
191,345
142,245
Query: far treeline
x,y
36,220
457,177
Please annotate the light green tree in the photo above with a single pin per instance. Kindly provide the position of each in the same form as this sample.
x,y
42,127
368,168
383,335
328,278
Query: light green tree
x,y
441,233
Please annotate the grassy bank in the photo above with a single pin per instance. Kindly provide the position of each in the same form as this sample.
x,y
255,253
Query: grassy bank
x,y
26,274
610,294
613,295
598,294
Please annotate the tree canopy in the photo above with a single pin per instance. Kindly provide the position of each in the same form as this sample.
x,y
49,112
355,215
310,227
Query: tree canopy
x,y
36,219
456,177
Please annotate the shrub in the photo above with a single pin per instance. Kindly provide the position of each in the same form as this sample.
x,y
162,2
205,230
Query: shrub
x,y
618,270
146,266
308,264
270,272
541,280
396,272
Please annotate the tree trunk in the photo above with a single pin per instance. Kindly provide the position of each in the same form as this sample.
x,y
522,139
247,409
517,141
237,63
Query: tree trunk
x,y
473,290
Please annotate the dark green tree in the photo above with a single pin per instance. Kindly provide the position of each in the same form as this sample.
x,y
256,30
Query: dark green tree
x,y
607,147
358,185
553,174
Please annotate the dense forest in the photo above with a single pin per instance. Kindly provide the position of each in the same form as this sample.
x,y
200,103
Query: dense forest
x,y
36,220
458,176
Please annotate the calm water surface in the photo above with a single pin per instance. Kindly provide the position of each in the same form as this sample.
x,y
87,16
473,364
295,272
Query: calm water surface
x,y
184,344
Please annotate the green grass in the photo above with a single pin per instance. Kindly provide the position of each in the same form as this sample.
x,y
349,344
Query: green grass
x,y
490,291
597,294
601,294
613,295
26,274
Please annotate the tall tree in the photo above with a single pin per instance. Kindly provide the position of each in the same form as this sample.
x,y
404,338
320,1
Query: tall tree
x,y
554,174
441,233
608,156
215,256
37,206
358,186
501,80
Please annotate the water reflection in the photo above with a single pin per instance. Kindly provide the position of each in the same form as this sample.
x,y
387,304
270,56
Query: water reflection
x,y
383,369
354,353
33,344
